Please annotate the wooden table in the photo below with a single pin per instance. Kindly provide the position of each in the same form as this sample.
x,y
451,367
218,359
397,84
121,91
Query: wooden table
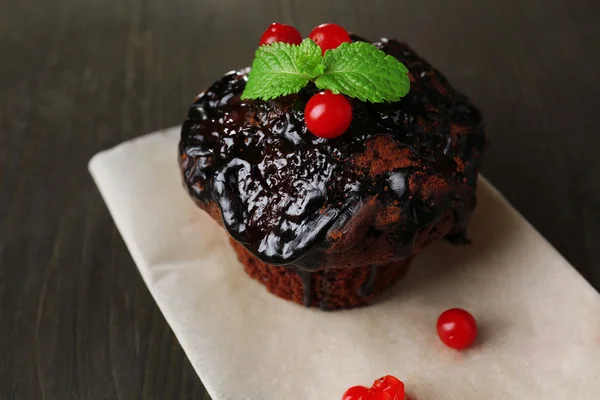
x,y
76,77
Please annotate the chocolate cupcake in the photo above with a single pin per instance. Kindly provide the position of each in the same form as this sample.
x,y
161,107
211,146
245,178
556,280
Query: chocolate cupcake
x,y
332,222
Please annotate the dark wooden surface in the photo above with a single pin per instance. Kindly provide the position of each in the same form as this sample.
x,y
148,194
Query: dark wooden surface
x,y
76,321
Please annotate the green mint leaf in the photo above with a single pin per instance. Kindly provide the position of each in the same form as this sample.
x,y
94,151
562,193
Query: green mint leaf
x,y
363,71
280,69
308,56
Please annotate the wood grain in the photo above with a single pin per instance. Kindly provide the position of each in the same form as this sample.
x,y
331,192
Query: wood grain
x,y
76,321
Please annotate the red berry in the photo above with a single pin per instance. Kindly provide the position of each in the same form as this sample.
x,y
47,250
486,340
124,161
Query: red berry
x,y
329,36
385,388
390,385
356,393
379,395
328,115
457,328
277,32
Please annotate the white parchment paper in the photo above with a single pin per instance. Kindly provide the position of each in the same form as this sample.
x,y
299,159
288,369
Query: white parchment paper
x,y
539,319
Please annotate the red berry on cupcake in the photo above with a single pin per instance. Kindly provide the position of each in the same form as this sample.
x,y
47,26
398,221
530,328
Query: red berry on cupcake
x,y
328,115
277,32
457,328
329,36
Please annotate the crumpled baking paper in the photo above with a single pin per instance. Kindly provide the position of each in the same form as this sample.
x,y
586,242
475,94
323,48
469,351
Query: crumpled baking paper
x,y
539,319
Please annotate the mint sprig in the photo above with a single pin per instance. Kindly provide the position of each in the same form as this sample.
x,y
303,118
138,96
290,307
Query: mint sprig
x,y
356,69
280,69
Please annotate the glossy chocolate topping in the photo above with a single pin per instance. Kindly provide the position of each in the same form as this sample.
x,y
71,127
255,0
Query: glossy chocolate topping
x,y
285,194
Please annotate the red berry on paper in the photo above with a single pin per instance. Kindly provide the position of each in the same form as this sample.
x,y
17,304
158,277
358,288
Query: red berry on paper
x,y
385,388
356,393
457,328
329,36
328,115
381,396
277,32
389,384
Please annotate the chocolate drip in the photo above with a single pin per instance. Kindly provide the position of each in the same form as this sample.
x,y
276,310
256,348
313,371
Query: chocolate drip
x,y
306,278
325,290
367,288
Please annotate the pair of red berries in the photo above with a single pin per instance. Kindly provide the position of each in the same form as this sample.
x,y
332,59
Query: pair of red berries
x,y
327,115
326,36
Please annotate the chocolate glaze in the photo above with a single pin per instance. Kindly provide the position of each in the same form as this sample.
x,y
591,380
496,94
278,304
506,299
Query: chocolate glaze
x,y
283,191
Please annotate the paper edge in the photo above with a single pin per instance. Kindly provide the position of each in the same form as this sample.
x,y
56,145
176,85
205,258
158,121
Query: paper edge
x,y
135,255
517,213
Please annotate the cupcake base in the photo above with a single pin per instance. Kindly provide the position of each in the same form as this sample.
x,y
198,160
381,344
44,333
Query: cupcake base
x,y
328,289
